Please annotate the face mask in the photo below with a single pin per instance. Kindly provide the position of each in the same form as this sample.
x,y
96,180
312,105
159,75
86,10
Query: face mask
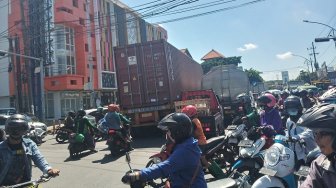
x,y
293,112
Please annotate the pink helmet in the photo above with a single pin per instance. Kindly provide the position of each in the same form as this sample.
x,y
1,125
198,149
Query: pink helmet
x,y
267,99
189,110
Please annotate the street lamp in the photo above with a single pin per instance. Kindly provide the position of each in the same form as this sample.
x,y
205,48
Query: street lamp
x,y
307,61
3,53
325,39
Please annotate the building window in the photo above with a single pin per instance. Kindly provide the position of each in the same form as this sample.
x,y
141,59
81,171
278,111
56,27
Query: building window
x,y
75,3
86,47
73,82
81,21
84,7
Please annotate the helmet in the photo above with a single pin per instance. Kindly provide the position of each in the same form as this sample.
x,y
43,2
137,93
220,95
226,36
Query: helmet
x,y
81,113
189,110
267,99
293,106
16,125
179,124
303,93
284,94
244,98
319,117
71,114
280,159
113,108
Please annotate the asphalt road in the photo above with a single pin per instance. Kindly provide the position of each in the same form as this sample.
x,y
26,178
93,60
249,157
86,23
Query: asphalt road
x,y
97,170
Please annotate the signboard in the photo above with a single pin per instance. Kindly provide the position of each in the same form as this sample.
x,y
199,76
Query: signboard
x,y
148,109
109,80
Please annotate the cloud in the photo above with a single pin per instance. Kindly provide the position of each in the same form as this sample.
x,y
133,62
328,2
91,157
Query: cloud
x,y
284,56
247,47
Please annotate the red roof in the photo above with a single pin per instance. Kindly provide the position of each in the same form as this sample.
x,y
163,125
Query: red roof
x,y
212,54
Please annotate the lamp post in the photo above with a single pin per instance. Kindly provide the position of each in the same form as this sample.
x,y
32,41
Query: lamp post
x,y
3,52
331,34
307,61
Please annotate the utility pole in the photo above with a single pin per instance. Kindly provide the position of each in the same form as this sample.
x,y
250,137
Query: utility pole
x,y
316,65
88,28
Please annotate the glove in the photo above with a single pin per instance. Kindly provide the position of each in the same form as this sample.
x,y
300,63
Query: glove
x,y
130,177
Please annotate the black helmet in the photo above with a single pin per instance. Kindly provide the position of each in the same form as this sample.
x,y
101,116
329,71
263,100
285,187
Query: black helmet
x,y
244,98
321,117
303,92
178,124
293,102
16,125
81,113
71,113
284,93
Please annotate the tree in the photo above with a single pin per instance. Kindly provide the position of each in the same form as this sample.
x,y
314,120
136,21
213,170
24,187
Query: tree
x,y
254,75
207,65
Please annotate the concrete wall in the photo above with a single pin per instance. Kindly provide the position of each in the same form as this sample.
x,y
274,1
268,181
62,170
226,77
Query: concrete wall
x,y
4,84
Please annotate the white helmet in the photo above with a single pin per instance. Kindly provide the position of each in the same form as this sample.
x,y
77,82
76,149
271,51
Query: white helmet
x,y
279,159
268,181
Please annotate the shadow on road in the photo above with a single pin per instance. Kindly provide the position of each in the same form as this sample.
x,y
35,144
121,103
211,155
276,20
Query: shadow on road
x,y
81,155
108,158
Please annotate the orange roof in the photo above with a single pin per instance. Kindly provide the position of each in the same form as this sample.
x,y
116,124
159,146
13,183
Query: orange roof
x,y
212,54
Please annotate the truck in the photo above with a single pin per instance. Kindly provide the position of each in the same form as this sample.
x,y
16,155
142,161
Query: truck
x,y
151,77
227,81
210,112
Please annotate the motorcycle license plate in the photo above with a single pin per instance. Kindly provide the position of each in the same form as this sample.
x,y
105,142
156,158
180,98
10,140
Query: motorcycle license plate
x,y
246,143
267,171
303,171
233,140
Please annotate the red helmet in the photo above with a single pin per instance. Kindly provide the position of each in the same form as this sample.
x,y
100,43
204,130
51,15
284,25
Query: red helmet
x,y
113,108
189,110
267,99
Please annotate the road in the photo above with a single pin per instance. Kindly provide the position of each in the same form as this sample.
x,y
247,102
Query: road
x,y
94,170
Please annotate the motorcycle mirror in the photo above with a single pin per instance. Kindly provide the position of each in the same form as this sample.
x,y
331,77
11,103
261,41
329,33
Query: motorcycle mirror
x,y
128,157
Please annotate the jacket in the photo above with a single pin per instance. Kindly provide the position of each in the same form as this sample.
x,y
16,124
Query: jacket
x,y
179,167
273,118
83,125
321,174
300,133
32,154
198,132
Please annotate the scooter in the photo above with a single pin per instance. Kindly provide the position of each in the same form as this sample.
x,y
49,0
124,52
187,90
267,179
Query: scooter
x,y
76,145
62,134
117,142
279,165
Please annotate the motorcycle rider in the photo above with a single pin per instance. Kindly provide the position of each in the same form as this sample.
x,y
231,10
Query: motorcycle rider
x,y
250,114
183,167
69,121
293,108
305,100
270,118
283,96
114,121
16,154
321,120
99,115
84,127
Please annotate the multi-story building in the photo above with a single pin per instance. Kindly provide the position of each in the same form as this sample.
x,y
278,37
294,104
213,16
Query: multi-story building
x,y
77,47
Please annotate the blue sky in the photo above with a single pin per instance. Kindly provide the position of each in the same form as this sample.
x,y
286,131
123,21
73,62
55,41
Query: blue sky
x,y
264,33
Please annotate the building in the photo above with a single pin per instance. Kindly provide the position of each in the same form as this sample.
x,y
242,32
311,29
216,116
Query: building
x,y
75,38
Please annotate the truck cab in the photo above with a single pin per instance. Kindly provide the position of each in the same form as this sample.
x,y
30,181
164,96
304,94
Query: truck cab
x,y
209,110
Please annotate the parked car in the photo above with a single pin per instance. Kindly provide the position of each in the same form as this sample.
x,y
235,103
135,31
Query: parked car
x,y
7,111
34,122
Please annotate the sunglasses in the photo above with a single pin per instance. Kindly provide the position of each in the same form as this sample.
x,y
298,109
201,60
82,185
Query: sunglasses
x,y
321,134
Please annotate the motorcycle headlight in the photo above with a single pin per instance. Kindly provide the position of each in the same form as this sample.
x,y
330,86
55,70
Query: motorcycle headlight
x,y
272,156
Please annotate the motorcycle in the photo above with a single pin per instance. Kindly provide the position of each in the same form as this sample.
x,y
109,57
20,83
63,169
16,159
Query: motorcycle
x,y
279,165
76,145
117,142
62,134
36,135
31,184
303,171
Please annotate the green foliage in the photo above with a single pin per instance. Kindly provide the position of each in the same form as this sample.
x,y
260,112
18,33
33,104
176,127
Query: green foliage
x,y
306,77
207,65
254,75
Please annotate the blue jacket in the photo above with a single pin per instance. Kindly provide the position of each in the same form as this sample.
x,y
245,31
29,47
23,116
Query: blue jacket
x,y
179,167
32,153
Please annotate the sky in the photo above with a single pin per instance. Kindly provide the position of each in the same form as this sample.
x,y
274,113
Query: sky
x,y
266,34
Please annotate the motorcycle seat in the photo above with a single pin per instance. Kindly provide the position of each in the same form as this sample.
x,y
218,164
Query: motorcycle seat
x,y
211,143
223,183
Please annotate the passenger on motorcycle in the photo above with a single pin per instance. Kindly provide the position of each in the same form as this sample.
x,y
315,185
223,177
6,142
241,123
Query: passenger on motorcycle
x,y
305,100
17,154
321,119
84,127
269,114
114,120
69,122
283,97
293,108
183,167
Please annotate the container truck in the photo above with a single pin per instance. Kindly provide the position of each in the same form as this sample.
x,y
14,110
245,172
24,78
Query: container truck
x,y
150,77
227,81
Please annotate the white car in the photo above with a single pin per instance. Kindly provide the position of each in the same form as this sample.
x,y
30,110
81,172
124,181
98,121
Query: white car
x,y
35,124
